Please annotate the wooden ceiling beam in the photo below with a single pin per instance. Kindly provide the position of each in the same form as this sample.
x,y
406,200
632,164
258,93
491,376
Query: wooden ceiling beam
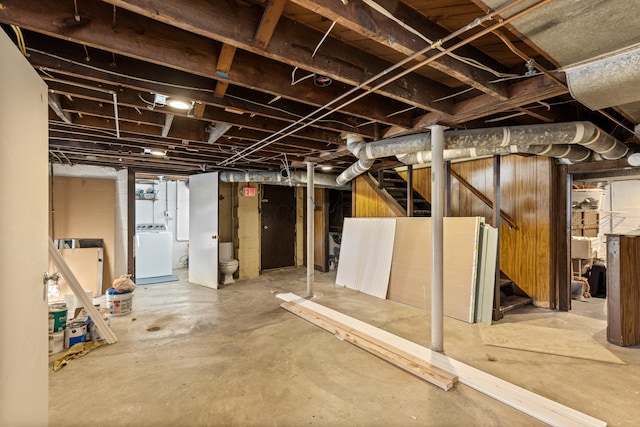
x,y
361,18
290,44
158,43
522,93
270,17
139,114
225,59
285,110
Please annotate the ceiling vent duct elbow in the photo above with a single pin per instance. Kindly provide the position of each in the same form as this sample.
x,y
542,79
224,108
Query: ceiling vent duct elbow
x,y
607,82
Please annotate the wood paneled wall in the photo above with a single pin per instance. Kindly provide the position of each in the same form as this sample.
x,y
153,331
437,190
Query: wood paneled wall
x,y
526,191
366,202
321,229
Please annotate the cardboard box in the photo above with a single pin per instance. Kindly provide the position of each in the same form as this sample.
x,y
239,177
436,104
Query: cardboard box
x,y
583,247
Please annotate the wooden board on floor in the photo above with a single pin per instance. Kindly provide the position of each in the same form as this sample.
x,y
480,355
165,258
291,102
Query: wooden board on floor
x,y
365,255
539,407
444,380
410,279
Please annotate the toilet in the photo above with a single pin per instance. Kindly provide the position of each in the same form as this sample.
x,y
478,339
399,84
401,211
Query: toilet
x,y
228,265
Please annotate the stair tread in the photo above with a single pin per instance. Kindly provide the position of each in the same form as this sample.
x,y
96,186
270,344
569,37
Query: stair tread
x,y
505,282
514,301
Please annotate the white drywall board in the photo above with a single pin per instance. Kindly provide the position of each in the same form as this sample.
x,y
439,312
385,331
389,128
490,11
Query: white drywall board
x,y
486,274
410,278
539,407
365,255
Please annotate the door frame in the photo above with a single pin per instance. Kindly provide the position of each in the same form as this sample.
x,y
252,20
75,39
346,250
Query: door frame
x,y
295,231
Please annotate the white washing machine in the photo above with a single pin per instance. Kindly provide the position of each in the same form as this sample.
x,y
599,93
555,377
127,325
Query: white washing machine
x,y
154,251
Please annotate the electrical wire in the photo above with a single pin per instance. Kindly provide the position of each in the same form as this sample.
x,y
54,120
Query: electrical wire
x,y
469,61
293,73
365,85
20,39
173,85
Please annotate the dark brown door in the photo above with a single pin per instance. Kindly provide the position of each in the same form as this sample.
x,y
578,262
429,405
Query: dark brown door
x,y
278,227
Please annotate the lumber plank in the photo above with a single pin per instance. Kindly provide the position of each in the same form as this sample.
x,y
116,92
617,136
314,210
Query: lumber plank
x,y
420,369
539,407
74,284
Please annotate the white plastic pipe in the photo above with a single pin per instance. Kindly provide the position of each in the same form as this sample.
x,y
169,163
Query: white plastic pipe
x,y
437,214
310,242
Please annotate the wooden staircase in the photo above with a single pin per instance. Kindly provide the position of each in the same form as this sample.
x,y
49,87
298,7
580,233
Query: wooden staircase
x,y
396,186
511,296
392,186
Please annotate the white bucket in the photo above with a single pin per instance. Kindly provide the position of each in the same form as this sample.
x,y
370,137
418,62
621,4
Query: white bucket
x,y
119,304
56,342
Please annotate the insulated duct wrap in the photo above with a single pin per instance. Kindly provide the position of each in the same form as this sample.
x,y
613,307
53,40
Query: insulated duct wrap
x,y
298,178
571,153
573,142
356,169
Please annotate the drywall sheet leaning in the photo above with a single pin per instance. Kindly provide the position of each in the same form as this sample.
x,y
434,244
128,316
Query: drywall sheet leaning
x,y
365,255
410,279
86,263
486,273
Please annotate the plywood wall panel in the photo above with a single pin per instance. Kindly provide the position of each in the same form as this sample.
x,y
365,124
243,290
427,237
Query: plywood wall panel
x,y
85,208
367,203
410,279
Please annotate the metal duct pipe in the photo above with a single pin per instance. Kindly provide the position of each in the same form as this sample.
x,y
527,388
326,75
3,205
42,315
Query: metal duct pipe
x,y
298,178
606,82
356,169
501,140
581,133
571,153
354,143
394,146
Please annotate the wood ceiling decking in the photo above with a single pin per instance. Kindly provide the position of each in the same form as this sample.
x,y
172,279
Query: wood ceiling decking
x,y
237,61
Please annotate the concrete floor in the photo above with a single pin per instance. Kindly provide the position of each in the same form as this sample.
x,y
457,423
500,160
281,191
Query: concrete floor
x,y
233,357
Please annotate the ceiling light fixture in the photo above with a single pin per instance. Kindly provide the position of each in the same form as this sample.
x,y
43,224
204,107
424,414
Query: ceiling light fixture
x,y
162,100
180,105
326,167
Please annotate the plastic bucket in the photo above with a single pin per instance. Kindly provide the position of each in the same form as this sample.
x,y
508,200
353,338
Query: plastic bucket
x,y
56,342
118,303
74,333
57,317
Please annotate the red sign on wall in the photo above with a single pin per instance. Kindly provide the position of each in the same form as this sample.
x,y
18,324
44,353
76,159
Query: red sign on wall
x,y
249,192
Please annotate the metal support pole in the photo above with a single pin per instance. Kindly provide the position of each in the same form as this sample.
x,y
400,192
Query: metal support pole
x,y
497,313
437,213
310,242
447,188
410,190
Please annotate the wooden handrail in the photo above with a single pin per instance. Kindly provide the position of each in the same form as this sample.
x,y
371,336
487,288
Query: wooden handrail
x,y
483,198
384,195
